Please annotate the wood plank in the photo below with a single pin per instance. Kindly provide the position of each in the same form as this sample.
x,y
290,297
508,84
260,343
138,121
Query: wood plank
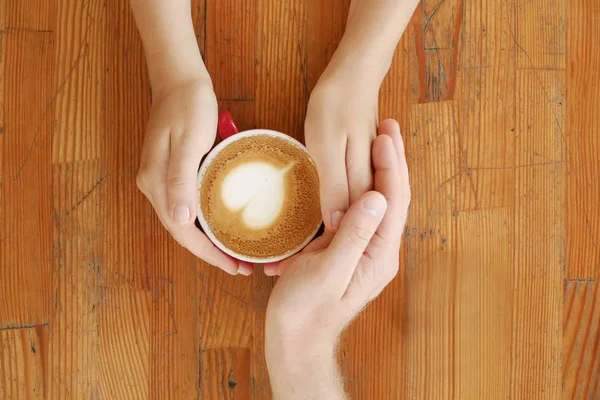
x,y
174,353
124,343
25,248
484,282
34,15
80,193
78,127
227,314
540,34
376,337
486,78
538,238
259,376
226,374
431,241
437,29
282,89
126,108
326,21
581,362
230,49
23,363
583,141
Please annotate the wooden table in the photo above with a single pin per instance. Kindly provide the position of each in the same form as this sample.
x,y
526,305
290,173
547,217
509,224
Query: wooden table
x,y
498,298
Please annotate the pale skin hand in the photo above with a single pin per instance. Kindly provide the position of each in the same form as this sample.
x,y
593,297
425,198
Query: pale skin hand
x,y
341,120
323,288
182,125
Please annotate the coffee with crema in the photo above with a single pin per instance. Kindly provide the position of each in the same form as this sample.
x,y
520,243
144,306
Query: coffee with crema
x,y
260,196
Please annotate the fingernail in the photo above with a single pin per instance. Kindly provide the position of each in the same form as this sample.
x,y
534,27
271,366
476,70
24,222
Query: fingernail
x,y
181,213
376,205
245,270
336,219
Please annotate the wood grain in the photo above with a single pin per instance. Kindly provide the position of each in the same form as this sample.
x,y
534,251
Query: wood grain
x,y
583,141
431,240
124,343
79,195
539,220
540,34
23,365
226,374
282,87
26,245
230,49
37,15
497,296
126,96
581,365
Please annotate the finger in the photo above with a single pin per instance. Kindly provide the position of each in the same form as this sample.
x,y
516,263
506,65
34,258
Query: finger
x,y
194,240
391,128
184,160
380,263
352,238
277,268
390,182
320,243
359,169
153,161
330,158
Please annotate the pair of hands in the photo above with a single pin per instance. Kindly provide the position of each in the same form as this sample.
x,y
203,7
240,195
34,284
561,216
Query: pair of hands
x,y
321,289
182,128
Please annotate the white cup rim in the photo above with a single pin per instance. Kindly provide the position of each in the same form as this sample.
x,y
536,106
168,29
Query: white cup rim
x,y
200,216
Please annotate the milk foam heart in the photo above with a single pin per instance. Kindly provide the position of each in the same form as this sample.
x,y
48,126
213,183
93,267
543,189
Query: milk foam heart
x,y
256,189
259,197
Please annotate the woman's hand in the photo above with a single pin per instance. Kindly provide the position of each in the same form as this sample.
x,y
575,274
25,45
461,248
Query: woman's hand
x,y
181,130
341,124
325,286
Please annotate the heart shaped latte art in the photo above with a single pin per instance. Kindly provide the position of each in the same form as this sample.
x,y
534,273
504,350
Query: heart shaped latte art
x,y
257,190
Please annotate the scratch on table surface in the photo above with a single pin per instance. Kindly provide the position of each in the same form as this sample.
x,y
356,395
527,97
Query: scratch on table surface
x,y
557,120
96,185
245,303
26,326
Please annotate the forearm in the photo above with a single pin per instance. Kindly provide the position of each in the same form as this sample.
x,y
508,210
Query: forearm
x,y
169,41
306,380
372,33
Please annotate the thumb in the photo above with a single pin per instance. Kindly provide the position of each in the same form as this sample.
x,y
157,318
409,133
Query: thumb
x,y
355,233
182,174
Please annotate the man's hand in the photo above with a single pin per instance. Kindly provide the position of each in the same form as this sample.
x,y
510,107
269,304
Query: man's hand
x,y
325,286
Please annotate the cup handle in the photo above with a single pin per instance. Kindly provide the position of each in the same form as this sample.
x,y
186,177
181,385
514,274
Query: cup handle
x,y
226,127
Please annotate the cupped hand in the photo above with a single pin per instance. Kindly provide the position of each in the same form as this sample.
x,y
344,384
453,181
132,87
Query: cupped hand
x,y
341,124
181,130
324,287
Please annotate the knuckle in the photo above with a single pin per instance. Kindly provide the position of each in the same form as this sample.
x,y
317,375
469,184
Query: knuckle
x,y
359,235
142,180
176,181
392,271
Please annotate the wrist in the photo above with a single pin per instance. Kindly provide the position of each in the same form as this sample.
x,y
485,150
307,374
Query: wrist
x,y
304,374
357,65
170,44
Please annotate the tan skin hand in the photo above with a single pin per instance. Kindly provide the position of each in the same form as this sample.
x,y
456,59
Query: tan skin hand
x,y
324,287
181,130
341,124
